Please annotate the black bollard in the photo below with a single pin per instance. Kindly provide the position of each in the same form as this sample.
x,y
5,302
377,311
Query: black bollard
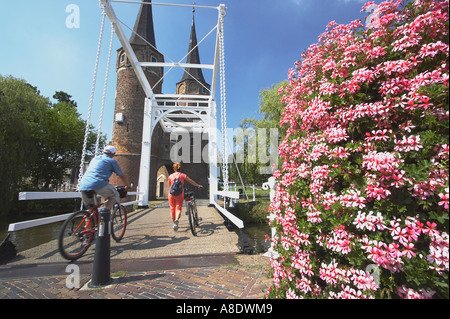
x,y
101,273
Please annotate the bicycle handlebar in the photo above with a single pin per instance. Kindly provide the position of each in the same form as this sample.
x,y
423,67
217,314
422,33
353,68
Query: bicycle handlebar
x,y
188,194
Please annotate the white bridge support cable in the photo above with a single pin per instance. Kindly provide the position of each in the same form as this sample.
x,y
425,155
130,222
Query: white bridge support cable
x,y
223,102
212,154
91,99
105,87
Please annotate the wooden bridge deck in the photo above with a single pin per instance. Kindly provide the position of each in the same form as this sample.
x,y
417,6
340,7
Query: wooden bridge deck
x,y
149,234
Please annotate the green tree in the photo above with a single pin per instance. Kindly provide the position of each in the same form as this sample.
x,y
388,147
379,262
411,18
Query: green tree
x,y
64,97
271,108
39,141
59,143
21,109
248,162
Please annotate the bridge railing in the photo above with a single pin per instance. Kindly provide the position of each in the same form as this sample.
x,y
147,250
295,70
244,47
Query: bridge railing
x,y
53,219
62,195
233,195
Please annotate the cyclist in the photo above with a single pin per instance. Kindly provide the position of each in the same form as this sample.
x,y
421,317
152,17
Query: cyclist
x,y
97,177
176,201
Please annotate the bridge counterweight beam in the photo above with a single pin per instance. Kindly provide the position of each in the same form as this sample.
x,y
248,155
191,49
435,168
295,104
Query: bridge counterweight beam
x,y
144,171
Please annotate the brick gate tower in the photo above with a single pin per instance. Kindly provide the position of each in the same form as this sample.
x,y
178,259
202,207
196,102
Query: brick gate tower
x,y
193,83
130,97
129,111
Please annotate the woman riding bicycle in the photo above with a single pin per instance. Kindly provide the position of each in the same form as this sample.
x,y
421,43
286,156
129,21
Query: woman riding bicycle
x,y
176,201
97,177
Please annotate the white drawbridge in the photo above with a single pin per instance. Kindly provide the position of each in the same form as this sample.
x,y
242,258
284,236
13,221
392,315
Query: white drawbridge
x,y
201,110
165,108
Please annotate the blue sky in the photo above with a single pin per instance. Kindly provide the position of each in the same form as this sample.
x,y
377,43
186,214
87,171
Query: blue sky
x,y
263,39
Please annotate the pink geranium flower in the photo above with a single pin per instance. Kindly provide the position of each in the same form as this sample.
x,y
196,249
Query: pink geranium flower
x,y
364,179
444,199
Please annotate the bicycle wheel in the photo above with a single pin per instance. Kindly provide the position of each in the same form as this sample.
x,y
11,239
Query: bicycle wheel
x,y
192,221
118,222
196,218
76,235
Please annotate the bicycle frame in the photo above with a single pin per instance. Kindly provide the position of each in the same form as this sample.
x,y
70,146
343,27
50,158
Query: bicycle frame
x,y
93,214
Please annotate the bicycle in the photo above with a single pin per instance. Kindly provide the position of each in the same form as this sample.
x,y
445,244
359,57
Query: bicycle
x,y
192,212
77,232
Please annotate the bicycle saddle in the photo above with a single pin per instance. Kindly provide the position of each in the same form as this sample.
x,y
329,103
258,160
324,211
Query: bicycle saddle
x,y
90,194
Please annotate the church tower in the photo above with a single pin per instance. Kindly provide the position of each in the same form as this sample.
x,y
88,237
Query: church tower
x,y
130,97
129,111
193,83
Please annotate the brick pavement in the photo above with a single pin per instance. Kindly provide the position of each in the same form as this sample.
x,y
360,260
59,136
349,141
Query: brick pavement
x,y
246,279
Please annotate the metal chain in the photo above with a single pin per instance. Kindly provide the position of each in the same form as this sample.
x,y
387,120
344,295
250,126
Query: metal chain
x,y
223,106
100,120
91,100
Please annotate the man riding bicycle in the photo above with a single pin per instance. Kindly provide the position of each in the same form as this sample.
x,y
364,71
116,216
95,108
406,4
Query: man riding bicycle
x,y
97,177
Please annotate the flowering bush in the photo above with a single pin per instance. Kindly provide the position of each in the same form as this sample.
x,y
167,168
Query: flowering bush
x,y
362,200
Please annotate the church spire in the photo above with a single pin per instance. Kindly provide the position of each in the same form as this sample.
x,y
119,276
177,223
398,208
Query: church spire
x,y
193,57
144,26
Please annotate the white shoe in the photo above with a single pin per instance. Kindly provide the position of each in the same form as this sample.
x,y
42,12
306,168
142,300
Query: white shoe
x,y
175,225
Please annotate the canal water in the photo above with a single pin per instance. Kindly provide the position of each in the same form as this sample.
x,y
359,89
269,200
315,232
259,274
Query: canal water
x,y
31,237
256,235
